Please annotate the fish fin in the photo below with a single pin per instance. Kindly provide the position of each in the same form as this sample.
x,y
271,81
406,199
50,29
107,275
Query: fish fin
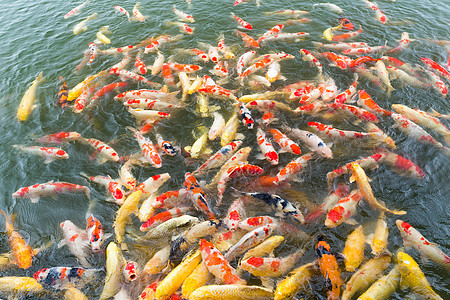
x,y
34,199
403,283
369,239
101,159
406,244
49,159
239,136
267,282
352,178
61,243
351,221
260,156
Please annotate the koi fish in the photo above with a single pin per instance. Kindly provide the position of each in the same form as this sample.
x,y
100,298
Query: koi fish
x,y
197,195
95,233
362,181
341,46
329,268
184,28
308,56
231,292
183,16
76,10
121,10
137,15
243,24
337,133
50,154
365,50
130,271
328,33
379,239
248,40
26,104
266,147
21,253
63,277
235,213
271,266
336,59
347,94
358,112
233,172
346,36
155,45
343,210
436,82
383,75
413,238
296,281
383,287
119,50
49,189
361,60
114,265
184,67
77,241
170,226
313,141
107,89
132,76
286,37
284,142
367,102
148,115
63,93
288,12
148,149
354,249
103,152
81,26
59,137
216,160
330,6
346,23
114,187
148,94
272,31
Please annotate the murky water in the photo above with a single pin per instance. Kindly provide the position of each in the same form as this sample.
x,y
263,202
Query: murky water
x,y
35,38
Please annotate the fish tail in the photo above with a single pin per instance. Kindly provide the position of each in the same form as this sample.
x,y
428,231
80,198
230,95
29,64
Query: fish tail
x,y
389,90
40,78
8,225
92,17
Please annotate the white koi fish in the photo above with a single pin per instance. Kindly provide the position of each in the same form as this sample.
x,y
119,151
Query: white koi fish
x,y
330,6
49,153
77,241
183,16
80,27
313,141
75,11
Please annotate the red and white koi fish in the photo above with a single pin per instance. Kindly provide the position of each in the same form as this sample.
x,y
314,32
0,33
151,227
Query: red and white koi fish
x,y
370,162
383,137
436,82
413,238
246,116
346,36
77,241
75,11
256,67
248,40
361,60
313,141
329,202
337,133
199,53
218,265
123,63
249,240
148,94
122,10
286,37
380,15
218,91
237,2
243,24
149,104
235,213
167,75
293,168
308,56
266,147
107,89
59,137
216,160
243,60
103,152
344,209
404,41
146,115
301,92
270,266
277,56
113,186
341,46
221,47
63,277
95,233
183,67
329,91
288,13
284,142
346,95
274,72
256,222
309,96
155,45
220,69
434,66
184,28
197,195
137,15
397,73
124,50
272,31
401,165
50,154
162,217
82,100
423,119
148,149
399,64
139,64
130,271
132,76
417,133
365,50
183,16
336,59
93,51
49,189
153,183
358,112
126,177
170,199
167,146
233,172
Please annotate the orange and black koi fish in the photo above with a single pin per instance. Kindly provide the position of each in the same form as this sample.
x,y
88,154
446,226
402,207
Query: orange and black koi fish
x,y
63,94
329,268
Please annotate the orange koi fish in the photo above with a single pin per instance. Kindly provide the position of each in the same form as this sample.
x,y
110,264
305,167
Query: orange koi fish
x,y
346,36
248,40
197,195
63,94
329,269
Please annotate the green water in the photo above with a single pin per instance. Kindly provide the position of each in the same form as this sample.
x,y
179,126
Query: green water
x,y
35,37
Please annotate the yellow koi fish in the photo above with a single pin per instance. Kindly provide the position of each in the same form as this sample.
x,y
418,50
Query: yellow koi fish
x,y
20,286
101,35
383,287
198,278
114,264
231,292
354,249
378,241
26,104
123,214
79,88
296,281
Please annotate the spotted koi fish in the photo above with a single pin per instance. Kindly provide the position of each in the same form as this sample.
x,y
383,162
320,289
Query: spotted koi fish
x,y
170,199
248,40
284,141
413,238
149,104
218,265
148,149
361,60
243,24
119,50
49,189
76,10
308,56
184,67
246,116
337,133
121,10
155,45
162,217
148,94
132,76
347,94
63,277
95,233
271,266
249,240
126,177
346,36
103,152
402,165
197,195
59,137
329,268
293,168
233,172
153,183
286,37
235,213
417,133
341,46
50,154
107,89
358,112
336,59
139,64
343,210
166,146
342,190
77,241
282,207
256,222
63,94
364,50
370,162
313,141
266,147
197,52
256,67
367,102
183,16
114,187
130,271
273,31
216,160
218,91
437,83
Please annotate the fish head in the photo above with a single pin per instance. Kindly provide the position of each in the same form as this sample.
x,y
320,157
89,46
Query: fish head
x,y
40,275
